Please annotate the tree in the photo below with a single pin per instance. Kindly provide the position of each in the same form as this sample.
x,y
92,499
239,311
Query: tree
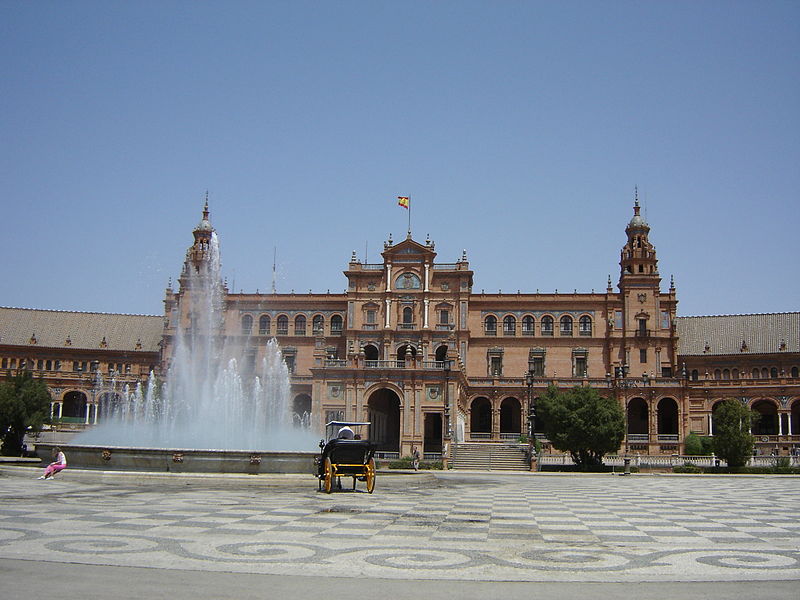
x,y
582,422
695,445
24,403
732,438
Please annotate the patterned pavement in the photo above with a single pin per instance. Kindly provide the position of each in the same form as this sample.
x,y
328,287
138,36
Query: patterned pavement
x,y
466,526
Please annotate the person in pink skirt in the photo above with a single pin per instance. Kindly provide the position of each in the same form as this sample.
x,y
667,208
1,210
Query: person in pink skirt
x,y
59,464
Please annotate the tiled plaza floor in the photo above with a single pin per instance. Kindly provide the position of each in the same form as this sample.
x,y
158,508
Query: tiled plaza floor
x,y
466,526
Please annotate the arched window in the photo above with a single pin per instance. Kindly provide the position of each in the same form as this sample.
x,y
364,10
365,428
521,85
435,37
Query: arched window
x,y
247,324
509,325
764,373
528,325
283,325
585,325
408,316
490,325
566,325
717,374
263,325
371,353
336,325
547,325
726,374
773,372
695,375
318,325
300,325
794,372
735,373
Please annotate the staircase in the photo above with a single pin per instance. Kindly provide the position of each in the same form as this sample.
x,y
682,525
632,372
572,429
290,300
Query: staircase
x,y
490,457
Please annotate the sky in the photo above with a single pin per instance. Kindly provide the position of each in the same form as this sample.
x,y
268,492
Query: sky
x,y
519,129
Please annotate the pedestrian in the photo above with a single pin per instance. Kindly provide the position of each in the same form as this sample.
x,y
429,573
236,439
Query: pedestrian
x,y
415,458
59,464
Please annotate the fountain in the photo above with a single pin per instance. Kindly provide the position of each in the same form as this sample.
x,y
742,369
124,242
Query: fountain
x,y
216,411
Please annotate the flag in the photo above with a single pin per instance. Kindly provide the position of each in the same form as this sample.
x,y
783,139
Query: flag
x,y
403,201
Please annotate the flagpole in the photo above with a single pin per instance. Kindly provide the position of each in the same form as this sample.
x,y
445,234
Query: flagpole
x,y
409,216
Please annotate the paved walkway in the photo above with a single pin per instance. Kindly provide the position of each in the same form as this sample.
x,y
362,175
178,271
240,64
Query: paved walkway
x,y
480,527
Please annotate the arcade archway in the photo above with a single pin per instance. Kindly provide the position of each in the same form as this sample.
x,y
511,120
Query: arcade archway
x,y
384,415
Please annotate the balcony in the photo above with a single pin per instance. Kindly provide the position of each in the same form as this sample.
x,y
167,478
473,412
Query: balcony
x,y
490,332
642,333
639,438
405,326
385,364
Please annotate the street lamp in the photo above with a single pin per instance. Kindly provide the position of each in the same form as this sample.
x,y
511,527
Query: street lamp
x,y
529,379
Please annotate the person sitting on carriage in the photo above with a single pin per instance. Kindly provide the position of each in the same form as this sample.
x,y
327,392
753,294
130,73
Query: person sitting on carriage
x,y
345,433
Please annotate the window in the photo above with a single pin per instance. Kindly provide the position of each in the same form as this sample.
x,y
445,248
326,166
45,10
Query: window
x,y
336,325
496,366
695,375
289,359
509,325
579,363
490,325
643,355
300,325
444,317
263,325
536,362
283,325
247,324
528,325
726,374
547,325
318,325
408,316
566,325
370,316
58,365
666,371
773,372
794,371
49,365
642,327
755,373
618,319
4,363
585,325
717,374
664,319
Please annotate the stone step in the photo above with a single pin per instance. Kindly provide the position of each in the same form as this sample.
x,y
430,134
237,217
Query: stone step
x,y
490,456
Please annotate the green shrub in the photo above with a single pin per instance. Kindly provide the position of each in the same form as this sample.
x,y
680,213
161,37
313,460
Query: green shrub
x,y
405,463
687,468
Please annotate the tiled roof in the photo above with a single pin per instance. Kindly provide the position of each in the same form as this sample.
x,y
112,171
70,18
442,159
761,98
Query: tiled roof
x,y
85,330
724,334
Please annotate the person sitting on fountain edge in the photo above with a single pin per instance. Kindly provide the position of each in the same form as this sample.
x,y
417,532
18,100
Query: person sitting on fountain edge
x,y
59,464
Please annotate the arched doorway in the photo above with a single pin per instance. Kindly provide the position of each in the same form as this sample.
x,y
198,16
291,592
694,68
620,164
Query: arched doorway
x,y
794,425
638,418
441,353
74,406
371,352
433,432
301,411
481,418
384,415
406,350
510,416
768,423
668,418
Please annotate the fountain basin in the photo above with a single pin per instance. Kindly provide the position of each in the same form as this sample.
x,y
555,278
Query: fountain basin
x,y
180,460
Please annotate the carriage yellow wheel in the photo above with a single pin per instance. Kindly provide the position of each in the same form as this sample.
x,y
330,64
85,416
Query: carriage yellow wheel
x,y
370,475
328,481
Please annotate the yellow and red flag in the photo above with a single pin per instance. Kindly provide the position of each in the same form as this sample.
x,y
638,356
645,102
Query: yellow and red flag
x,y
403,201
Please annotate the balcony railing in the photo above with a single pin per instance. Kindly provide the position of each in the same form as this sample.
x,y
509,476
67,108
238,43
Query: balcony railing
x,y
667,437
385,364
336,362
407,326
641,333
638,437
491,332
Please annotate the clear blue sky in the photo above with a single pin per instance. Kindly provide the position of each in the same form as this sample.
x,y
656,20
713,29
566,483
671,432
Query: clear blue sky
x,y
519,129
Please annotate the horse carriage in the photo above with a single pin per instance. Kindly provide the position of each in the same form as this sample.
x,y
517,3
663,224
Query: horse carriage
x,y
344,454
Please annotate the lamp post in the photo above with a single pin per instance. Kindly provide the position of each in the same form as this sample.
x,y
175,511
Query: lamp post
x,y
534,459
448,430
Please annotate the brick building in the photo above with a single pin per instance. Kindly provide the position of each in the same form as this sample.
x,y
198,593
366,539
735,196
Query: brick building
x,y
411,347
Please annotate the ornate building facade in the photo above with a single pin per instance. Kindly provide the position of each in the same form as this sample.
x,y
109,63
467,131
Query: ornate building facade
x,y
412,348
